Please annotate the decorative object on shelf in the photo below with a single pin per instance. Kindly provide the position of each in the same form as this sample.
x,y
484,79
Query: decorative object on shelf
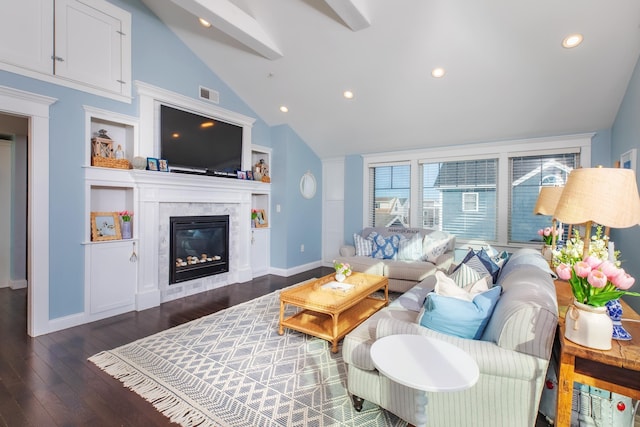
x,y
153,164
249,175
308,185
139,163
614,309
261,219
254,216
343,270
241,174
163,165
628,159
588,326
102,154
125,217
105,226
262,169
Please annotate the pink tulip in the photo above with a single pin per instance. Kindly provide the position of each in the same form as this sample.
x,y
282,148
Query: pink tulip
x,y
609,269
597,279
623,281
564,271
547,231
540,232
592,261
582,269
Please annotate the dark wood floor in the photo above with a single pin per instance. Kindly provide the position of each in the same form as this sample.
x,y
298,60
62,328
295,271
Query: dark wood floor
x,y
47,381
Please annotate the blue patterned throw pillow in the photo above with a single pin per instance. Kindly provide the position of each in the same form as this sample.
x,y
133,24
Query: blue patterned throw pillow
x,y
385,247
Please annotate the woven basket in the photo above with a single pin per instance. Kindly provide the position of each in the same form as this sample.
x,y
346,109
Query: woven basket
x,y
105,162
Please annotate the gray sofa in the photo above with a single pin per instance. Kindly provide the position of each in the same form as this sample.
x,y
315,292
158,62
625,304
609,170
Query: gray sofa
x,y
513,352
402,274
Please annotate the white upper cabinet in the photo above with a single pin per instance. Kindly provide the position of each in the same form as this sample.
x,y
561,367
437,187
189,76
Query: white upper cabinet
x,y
27,34
83,44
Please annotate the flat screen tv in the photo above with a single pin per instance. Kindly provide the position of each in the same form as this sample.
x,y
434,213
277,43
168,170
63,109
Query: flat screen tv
x,y
194,143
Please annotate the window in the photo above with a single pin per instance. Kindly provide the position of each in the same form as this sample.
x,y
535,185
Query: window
x,y
469,202
527,175
463,194
390,201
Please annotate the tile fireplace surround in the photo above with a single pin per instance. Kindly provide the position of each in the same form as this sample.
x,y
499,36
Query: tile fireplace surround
x,y
162,195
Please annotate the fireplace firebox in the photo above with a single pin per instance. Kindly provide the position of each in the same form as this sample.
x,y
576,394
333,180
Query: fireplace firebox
x,y
199,247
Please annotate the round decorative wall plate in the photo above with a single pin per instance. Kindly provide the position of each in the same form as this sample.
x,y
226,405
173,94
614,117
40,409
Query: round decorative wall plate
x,y
308,185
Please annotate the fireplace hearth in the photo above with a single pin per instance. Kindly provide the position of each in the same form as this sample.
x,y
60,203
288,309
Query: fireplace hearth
x,y
199,247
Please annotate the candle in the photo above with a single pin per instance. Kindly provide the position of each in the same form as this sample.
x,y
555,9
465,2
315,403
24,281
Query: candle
x,y
612,249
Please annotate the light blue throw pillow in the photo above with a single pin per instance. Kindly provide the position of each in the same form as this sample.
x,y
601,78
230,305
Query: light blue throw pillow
x,y
457,317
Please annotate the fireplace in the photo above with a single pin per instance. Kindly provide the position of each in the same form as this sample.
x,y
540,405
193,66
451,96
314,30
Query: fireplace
x,y
199,247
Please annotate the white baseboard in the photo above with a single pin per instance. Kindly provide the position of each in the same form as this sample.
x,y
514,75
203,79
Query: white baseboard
x,y
286,272
18,284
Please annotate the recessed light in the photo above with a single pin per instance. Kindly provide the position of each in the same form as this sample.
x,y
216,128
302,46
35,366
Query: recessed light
x,y
572,40
438,72
284,109
347,94
204,23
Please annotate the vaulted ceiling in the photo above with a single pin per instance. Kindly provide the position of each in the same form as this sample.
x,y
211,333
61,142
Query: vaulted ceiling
x,y
507,74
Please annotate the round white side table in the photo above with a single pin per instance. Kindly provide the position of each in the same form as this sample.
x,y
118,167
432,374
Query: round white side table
x,y
424,364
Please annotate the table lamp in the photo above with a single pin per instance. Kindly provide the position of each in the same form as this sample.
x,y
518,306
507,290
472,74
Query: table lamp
x,y
606,196
546,205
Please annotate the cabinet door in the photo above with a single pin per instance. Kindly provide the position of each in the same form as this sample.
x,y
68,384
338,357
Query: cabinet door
x,y
259,252
27,34
89,44
113,277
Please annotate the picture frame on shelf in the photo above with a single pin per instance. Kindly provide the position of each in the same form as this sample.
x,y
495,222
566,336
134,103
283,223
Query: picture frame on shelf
x,y
105,226
628,159
163,165
241,174
153,164
261,219
249,175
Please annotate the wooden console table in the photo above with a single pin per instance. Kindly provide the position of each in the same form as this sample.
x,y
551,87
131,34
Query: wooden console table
x,y
616,370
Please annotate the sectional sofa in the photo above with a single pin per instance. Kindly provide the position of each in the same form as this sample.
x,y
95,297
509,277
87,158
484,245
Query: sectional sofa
x,y
512,353
420,253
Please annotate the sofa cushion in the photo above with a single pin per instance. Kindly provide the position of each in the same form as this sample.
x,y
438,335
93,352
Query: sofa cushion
x,y
414,271
385,247
527,305
363,246
445,286
410,249
414,298
459,317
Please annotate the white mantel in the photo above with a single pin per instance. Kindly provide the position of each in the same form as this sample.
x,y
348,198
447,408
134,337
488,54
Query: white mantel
x,y
159,195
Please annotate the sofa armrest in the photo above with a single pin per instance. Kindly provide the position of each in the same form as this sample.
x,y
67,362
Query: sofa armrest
x,y
347,250
491,359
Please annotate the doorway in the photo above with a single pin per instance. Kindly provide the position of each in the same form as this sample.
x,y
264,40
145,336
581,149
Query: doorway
x,y
35,108
13,201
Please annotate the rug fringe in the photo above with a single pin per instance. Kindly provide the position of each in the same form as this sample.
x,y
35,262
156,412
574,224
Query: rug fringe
x,y
163,400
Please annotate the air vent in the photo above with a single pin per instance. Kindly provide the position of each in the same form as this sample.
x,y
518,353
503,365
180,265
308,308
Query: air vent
x,y
209,94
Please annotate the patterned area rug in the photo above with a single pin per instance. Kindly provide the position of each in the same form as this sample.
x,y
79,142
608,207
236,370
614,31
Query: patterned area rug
x,y
231,368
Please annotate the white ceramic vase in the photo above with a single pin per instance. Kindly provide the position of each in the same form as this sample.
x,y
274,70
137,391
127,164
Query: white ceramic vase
x,y
588,326
340,277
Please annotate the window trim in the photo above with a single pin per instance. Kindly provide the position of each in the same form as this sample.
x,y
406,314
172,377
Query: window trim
x,y
475,202
502,150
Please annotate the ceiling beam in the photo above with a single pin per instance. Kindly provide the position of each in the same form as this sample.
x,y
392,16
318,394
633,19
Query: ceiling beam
x,y
233,21
350,13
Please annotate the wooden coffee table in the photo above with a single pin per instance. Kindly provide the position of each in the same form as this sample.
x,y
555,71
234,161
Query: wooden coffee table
x,y
330,310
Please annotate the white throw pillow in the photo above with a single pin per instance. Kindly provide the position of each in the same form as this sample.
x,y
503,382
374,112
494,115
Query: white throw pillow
x,y
432,249
410,249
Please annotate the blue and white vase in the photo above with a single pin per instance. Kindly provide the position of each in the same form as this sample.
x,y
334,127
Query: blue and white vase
x,y
614,309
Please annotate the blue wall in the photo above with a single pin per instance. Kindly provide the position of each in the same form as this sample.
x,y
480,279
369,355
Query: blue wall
x,y
161,59
625,135
297,223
